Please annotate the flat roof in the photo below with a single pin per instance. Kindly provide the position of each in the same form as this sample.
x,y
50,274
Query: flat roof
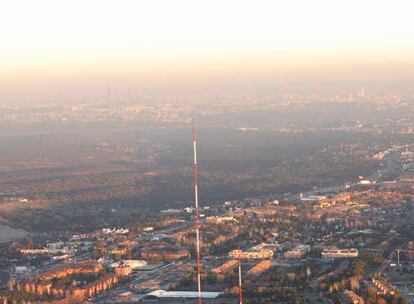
x,y
183,294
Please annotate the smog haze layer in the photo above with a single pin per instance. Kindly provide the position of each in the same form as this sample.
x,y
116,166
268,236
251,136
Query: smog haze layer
x,y
57,52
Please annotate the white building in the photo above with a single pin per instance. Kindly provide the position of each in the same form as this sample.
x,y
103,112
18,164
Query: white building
x,y
115,230
252,254
336,253
183,294
134,264
21,269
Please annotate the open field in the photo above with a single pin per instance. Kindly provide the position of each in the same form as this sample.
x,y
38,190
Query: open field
x,y
8,234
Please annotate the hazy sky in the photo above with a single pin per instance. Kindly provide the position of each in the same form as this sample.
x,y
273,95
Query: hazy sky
x,y
50,49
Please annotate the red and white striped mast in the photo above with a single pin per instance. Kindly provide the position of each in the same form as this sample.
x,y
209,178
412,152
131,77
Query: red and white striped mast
x,y
240,278
197,208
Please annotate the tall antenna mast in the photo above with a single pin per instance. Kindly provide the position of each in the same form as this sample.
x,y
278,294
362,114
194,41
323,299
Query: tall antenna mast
x,y
240,277
197,212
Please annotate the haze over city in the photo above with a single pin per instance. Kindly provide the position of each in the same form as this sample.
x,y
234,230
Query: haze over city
x,y
78,49
211,152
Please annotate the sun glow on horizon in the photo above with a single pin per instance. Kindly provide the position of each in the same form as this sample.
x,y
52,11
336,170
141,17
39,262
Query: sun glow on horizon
x,y
189,39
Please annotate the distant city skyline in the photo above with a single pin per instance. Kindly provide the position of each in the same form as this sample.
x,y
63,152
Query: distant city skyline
x,y
53,50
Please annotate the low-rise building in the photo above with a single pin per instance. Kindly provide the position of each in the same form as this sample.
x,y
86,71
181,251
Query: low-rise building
x,y
383,286
350,297
221,219
164,254
297,252
275,247
260,267
134,264
251,254
336,253
123,271
21,269
225,267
